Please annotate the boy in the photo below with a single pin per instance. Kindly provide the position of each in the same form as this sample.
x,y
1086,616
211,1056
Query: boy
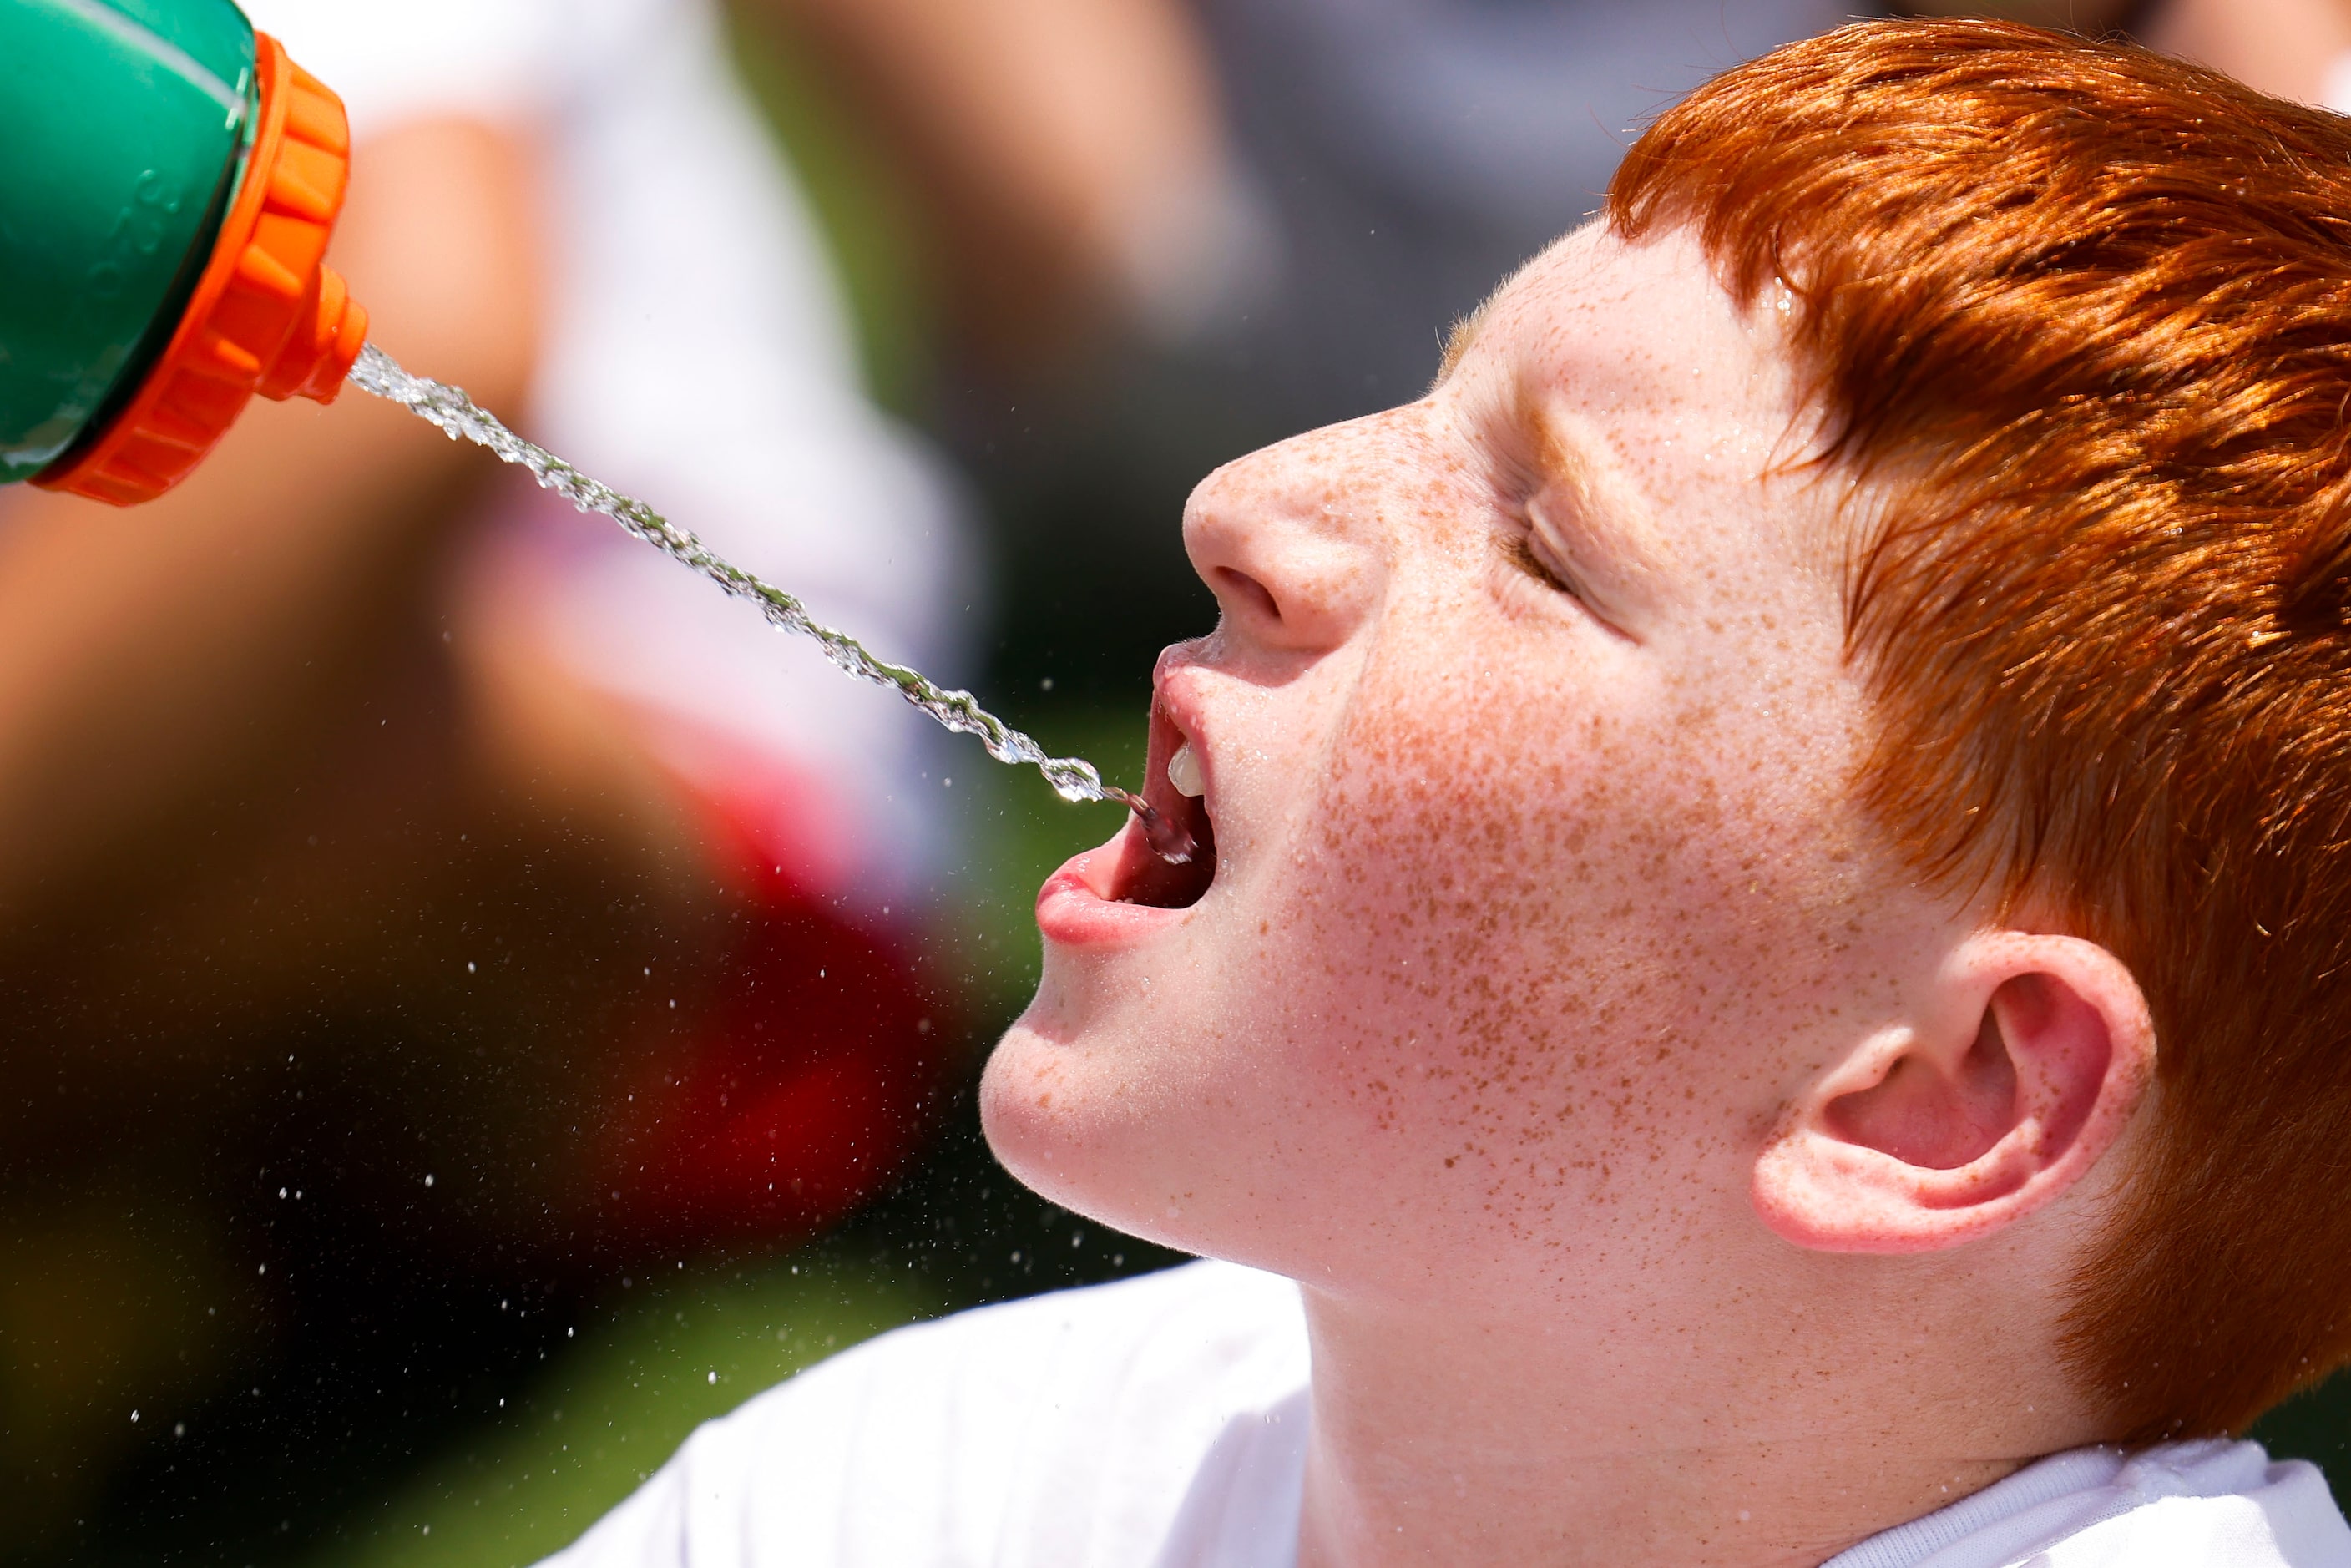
x,y
1770,955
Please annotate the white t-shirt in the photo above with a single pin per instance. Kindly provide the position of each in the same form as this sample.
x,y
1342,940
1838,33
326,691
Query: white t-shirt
x,y
1161,1423
693,353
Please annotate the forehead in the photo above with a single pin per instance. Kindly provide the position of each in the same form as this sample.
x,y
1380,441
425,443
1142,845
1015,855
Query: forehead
x,y
1633,361
1637,324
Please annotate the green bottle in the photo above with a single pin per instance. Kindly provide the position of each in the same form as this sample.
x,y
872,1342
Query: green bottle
x,y
164,213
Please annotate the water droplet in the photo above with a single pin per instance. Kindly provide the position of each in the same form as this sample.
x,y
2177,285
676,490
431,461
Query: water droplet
x,y
1168,838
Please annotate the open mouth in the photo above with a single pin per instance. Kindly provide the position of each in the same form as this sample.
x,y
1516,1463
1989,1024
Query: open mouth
x,y
1141,876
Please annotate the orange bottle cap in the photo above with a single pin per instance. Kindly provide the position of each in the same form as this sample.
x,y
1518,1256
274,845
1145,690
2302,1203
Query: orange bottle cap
x,y
267,315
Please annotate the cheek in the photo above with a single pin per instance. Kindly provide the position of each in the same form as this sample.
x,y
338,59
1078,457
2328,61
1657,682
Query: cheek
x,y
1522,935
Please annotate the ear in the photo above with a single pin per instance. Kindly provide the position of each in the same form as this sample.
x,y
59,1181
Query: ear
x,y
2029,1055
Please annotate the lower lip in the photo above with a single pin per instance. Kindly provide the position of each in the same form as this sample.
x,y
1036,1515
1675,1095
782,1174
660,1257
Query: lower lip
x,y
1072,912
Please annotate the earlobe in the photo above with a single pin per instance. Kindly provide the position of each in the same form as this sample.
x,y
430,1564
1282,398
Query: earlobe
x,y
2025,1063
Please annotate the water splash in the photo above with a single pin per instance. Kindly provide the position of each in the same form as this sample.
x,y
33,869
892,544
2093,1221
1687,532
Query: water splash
x,y
1073,779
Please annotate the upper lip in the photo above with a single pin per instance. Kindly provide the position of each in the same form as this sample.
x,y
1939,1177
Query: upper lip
x,y
1176,724
1140,877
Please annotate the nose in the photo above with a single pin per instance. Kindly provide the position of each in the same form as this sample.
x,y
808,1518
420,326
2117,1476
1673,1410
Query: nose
x,y
1293,539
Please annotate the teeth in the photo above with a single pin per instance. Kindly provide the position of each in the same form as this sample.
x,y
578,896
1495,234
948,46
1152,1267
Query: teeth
x,y
1184,772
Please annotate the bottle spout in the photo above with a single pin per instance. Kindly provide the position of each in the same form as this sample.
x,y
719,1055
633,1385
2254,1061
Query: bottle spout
x,y
326,339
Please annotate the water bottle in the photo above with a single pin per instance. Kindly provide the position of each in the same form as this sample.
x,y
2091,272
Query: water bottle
x,y
170,185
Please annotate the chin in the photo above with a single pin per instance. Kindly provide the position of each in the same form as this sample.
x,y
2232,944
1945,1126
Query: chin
x,y
1079,1143
1031,1114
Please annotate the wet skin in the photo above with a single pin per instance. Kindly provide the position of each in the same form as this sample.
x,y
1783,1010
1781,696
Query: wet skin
x,y
1514,876
1540,905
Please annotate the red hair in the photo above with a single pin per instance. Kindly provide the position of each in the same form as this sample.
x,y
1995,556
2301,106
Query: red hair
x,y
2081,314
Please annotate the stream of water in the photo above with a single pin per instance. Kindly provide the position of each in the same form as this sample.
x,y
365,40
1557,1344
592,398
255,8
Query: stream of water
x,y
1073,779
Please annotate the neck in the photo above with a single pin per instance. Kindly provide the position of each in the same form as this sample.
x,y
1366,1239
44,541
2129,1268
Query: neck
x,y
1437,1440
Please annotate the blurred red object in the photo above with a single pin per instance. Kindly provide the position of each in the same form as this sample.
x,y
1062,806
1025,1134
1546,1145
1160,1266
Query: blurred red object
x,y
809,1076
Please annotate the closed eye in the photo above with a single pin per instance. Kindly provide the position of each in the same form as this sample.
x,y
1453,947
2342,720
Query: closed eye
x,y
1518,554
1519,551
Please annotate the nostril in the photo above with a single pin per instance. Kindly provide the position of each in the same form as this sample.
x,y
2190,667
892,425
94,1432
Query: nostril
x,y
1247,591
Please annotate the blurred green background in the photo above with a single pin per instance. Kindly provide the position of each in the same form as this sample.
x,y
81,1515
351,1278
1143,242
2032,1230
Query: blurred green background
x,y
496,1433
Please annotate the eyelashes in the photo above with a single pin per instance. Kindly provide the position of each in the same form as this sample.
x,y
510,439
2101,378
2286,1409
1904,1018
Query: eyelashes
x,y
1519,551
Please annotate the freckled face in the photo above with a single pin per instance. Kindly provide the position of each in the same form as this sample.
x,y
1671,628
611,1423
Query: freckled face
x,y
1526,735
